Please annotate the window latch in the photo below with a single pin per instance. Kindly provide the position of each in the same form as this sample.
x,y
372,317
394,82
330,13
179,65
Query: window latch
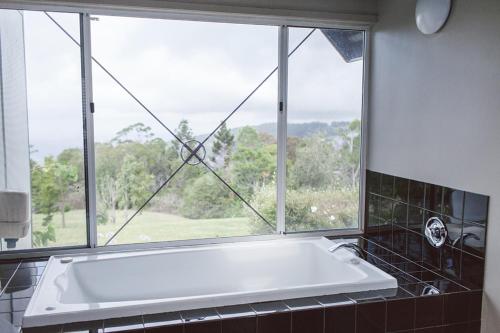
x,y
92,109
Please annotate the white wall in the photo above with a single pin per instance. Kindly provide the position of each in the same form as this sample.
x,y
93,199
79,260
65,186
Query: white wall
x,y
435,110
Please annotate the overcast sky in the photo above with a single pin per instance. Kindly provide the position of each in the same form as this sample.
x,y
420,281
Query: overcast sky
x,y
180,70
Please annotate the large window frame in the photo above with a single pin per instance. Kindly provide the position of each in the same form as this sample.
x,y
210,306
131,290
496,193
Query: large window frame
x,y
281,108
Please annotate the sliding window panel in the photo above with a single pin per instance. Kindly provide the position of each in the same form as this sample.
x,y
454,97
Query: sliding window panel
x,y
184,149
43,183
325,80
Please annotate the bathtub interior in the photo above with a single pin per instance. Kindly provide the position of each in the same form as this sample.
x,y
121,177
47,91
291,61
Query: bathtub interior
x,y
141,282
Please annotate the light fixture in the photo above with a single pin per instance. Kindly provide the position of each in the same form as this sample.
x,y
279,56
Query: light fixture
x,y
431,15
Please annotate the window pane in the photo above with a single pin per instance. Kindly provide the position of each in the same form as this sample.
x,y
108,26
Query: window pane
x,y
324,129
191,76
41,131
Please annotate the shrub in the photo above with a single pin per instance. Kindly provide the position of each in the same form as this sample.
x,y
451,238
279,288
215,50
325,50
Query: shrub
x,y
207,197
309,210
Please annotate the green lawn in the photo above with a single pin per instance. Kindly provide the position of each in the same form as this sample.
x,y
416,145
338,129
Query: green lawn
x,y
146,227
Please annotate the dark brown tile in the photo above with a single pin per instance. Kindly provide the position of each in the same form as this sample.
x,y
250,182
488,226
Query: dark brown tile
x,y
400,314
429,311
431,256
199,315
439,329
433,198
400,214
414,246
209,326
387,185
44,329
81,327
474,327
416,193
474,238
340,319
472,271
399,240
476,207
401,186
386,210
170,322
127,324
308,321
415,219
373,181
239,325
370,317
236,311
11,292
16,304
457,328
456,308
475,305
334,300
269,307
279,322
306,303
453,202
165,329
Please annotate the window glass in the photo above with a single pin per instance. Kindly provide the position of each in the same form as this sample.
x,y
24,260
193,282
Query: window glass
x,y
42,167
189,77
325,77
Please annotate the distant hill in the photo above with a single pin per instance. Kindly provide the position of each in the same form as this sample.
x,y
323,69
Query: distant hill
x,y
304,129
295,129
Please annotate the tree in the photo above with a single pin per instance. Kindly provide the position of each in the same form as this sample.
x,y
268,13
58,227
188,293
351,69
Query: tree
x,y
252,163
65,177
184,133
44,200
137,132
314,166
134,183
222,146
349,153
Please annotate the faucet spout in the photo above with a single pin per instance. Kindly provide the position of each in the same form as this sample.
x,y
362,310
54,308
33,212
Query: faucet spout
x,y
350,246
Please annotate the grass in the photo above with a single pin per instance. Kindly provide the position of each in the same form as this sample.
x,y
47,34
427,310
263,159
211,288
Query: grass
x,y
146,227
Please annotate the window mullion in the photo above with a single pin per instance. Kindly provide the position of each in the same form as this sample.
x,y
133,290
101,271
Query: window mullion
x,y
88,129
282,127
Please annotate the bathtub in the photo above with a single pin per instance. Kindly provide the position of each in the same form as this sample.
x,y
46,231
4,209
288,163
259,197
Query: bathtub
x,y
100,286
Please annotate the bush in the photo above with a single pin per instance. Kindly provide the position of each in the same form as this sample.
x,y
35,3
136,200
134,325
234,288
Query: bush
x,y
207,198
309,210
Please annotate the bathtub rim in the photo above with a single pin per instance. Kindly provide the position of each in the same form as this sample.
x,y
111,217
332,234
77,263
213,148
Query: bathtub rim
x,y
43,319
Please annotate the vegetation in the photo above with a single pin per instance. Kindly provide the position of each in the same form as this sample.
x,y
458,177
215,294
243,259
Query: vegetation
x,y
322,192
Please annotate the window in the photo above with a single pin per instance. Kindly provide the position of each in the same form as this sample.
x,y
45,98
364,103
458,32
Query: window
x,y
189,76
42,130
121,130
325,81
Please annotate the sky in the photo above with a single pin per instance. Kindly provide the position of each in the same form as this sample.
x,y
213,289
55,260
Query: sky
x,y
197,71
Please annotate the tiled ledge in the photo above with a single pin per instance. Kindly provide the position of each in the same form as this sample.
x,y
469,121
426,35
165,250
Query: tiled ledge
x,y
454,308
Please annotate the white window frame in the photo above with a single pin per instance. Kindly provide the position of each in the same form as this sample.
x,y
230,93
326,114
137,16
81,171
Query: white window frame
x,y
283,23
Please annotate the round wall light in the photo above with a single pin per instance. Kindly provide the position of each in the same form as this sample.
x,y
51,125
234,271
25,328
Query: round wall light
x,y
431,15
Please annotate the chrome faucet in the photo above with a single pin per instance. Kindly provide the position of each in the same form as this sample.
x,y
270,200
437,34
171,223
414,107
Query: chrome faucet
x,y
351,246
463,237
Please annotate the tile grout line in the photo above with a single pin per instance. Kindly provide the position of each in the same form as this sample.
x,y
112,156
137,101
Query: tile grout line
x,y
416,263
10,279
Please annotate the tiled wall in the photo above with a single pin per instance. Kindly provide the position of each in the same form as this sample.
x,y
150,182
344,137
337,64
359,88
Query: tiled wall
x,y
397,209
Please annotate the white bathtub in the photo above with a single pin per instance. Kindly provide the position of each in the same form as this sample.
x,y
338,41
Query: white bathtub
x,y
124,284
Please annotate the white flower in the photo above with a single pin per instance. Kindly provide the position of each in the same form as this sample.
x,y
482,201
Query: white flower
x,y
332,218
314,209
145,238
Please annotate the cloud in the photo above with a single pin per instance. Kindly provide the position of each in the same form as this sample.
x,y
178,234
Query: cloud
x,y
181,70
